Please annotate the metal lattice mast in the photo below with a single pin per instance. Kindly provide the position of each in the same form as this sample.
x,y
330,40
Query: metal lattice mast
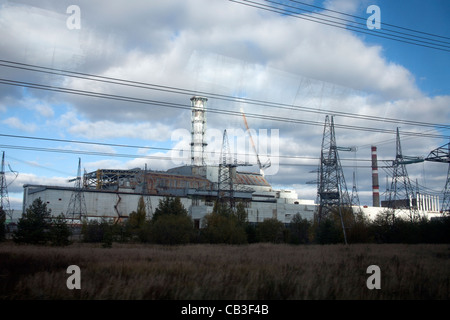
x,y
446,200
148,200
331,189
401,192
227,173
355,198
442,154
77,204
5,206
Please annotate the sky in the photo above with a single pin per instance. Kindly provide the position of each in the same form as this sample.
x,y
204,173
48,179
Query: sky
x,y
233,54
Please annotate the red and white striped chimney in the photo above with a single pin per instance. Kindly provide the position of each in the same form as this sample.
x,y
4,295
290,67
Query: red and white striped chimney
x,y
375,185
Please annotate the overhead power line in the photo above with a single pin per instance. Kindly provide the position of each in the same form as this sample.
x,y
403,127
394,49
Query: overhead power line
x,y
155,157
171,89
212,110
362,18
284,9
135,146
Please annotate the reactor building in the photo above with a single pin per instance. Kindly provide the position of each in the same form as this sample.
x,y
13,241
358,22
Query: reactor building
x,y
114,194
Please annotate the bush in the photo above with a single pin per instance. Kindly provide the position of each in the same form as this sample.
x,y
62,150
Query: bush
x,y
358,231
34,225
95,231
270,230
169,206
299,230
2,225
172,229
221,228
60,232
328,231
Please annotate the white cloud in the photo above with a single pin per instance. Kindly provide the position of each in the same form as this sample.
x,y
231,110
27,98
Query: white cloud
x,y
231,50
108,129
16,123
31,178
347,6
45,110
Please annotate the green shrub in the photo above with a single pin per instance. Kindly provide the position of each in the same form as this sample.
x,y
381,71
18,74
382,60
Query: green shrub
x,y
219,228
270,230
34,225
172,229
60,232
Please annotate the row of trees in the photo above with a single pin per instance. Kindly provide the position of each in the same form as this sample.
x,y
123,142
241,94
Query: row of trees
x,y
171,224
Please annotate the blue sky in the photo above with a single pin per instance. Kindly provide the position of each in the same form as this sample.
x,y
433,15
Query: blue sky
x,y
219,47
428,66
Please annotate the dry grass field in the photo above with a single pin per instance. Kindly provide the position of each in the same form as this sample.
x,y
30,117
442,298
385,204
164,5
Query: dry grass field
x,y
200,271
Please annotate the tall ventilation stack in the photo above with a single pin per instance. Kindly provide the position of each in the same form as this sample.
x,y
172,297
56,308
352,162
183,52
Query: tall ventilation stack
x,y
375,185
198,120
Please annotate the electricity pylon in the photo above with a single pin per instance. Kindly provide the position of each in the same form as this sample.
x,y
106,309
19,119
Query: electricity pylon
x,y
442,154
227,175
401,192
148,200
331,188
77,205
5,206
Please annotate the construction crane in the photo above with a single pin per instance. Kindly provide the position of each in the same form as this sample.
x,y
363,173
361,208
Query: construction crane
x,y
261,166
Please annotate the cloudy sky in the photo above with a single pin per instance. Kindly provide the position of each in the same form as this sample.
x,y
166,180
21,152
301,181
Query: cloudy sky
x,y
298,67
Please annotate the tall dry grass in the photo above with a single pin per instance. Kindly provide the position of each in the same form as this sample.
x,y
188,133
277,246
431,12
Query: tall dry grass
x,y
256,271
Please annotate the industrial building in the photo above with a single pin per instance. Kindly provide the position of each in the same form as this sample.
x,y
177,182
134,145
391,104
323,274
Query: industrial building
x,y
113,193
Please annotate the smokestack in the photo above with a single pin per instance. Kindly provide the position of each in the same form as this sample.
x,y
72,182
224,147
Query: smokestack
x,y
375,185
198,121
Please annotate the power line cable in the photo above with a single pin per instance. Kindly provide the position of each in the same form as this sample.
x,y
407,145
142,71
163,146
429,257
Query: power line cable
x,y
157,148
378,33
170,89
357,17
137,156
446,43
212,110
363,18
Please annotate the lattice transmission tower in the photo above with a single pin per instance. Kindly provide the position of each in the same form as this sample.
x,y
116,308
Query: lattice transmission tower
x,y
401,192
148,199
354,199
5,206
227,175
226,187
442,154
77,204
446,201
332,191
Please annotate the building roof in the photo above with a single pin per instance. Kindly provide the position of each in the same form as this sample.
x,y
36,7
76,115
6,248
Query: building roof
x,y
252,179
